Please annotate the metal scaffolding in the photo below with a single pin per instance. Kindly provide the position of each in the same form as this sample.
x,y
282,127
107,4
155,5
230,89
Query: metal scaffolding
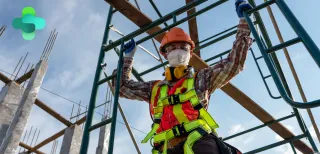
x,y
263,41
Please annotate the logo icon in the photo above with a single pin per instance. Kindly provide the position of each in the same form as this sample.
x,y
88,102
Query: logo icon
x,y
28,23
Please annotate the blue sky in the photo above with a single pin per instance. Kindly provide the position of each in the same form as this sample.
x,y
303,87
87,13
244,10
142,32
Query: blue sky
x,y
81,23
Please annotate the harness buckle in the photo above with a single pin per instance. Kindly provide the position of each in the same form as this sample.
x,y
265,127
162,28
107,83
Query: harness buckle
x,y
179,130
174,99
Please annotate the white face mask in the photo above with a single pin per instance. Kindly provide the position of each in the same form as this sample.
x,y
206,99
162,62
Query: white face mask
x,y
178,57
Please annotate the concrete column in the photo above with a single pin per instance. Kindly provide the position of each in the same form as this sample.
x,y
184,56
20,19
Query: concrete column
x,y
72,140
103,142
10,96
14,133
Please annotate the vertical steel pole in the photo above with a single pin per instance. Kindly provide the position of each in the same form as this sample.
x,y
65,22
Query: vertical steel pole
x,y
116,100
92,104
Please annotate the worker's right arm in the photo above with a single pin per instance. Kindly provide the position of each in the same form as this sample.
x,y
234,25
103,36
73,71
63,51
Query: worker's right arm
x,y
130,89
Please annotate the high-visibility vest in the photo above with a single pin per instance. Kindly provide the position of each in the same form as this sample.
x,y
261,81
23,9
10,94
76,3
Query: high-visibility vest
x,y
181,105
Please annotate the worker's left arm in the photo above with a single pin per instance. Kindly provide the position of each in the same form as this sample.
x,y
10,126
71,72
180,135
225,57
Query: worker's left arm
x,y
214,77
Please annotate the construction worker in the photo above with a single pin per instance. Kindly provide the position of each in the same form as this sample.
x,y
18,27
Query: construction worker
x,y
178,104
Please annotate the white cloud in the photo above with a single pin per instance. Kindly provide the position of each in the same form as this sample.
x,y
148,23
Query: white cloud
x,y
236,129
241,142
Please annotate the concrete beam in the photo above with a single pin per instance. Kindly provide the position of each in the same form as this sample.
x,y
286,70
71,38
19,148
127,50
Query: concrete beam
x,y
103,142
72,140
10,96
55,136
12,139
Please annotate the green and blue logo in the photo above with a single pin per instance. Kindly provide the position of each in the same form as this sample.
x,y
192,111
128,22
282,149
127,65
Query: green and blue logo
x,y
28,23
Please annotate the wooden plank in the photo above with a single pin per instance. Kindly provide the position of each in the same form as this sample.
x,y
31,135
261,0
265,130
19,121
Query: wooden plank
x,y
193,27
133,14
29,148
55,136
25,77
4,78
52,112
141,20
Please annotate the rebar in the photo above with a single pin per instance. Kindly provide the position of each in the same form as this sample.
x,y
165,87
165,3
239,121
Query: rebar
x,y
47,45
44,49
25,134
53,145
37,138
55,149
29,135
21,66
16,68
79,110
33,137
71,112
26,69
50,50
2,29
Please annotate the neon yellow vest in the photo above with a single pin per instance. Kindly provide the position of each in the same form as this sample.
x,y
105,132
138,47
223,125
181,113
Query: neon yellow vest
x,y
196,128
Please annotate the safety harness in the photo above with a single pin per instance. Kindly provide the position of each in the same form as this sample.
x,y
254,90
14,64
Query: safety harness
x,y
195,129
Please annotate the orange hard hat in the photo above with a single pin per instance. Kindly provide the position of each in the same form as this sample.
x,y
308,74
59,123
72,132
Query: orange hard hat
x,y
175,35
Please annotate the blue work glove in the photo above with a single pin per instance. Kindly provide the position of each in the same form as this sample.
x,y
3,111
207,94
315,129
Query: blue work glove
x,y
241,6
130,49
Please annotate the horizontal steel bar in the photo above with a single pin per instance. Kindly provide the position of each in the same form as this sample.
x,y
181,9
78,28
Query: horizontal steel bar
x,y
265,77
154,68
100,124
217,56
153,24
218,34
106,79
259,57
258,127
283,45
221,33
216,40
261,6
182,20
276,144
213,64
